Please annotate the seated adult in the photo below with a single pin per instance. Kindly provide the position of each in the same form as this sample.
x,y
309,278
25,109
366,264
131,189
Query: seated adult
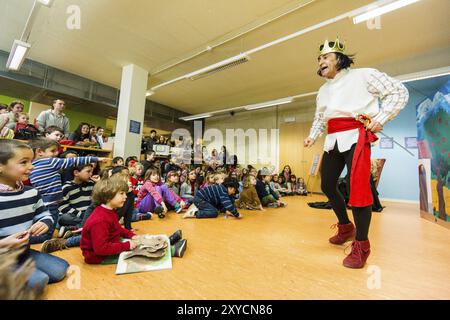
x,y
81,136
54,117
93,135
14,109
100,137
285,175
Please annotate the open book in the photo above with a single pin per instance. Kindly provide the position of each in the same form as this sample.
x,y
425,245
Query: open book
x,y
142,263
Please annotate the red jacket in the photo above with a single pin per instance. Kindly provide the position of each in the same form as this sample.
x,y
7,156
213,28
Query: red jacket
x,y
101,235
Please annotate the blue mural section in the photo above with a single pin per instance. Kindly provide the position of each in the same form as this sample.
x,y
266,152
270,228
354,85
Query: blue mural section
x,y
433,117
399,179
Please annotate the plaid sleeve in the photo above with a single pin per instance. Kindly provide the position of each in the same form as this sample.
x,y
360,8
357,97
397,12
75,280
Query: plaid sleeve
x,y
318,125
392,93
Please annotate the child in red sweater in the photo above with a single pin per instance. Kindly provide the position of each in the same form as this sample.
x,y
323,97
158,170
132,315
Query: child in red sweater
x,y
102,233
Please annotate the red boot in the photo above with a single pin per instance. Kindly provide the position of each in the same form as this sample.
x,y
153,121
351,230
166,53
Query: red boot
x,y
345,232
357,258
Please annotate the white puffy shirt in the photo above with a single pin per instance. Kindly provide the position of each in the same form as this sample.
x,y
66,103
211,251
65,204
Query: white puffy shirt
x,y
352,92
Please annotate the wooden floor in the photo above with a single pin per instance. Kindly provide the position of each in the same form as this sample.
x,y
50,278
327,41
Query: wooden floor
x,y
280,254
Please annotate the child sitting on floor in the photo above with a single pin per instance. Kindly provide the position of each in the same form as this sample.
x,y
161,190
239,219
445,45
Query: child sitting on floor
x,y
291,186
46,177
301,187
101,233
276,186
213,199
23,214
137,179
248,198
128,211
101,237
189,188
154,194
172,182
77,196
267,196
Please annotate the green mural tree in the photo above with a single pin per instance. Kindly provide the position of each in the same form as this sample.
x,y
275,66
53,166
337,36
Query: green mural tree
x,y
437,131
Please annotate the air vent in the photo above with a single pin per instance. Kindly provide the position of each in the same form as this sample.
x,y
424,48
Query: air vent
x,y
220,67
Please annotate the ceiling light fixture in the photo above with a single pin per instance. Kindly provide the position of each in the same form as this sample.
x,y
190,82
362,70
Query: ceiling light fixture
x,y
47,3
208,69
269,104
382,10
197,116
17,55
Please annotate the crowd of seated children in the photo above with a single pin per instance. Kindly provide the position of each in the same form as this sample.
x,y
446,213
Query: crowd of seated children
x,y
101,236
68,195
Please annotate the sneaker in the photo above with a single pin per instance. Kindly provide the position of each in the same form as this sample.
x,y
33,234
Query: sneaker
x,y
272,205
178,208
62,231
192,209
68,234
145,216
282,204
177,236
190,214
52,245
180,248
159,210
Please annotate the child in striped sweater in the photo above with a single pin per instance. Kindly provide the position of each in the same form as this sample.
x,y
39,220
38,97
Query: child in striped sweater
x,y
77,196
208,202
45,177
24,215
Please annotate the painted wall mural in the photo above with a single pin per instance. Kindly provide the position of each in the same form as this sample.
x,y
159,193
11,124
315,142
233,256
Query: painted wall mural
x,y
433,118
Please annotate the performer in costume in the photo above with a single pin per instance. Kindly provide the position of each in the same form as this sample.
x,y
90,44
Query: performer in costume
x,y
354,104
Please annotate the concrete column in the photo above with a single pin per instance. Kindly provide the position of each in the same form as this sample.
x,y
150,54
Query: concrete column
x,y
130,116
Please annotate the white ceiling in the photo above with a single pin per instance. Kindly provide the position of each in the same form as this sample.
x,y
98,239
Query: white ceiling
x,y
153,33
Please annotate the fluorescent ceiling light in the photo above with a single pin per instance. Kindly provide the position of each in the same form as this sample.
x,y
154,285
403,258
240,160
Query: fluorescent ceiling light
x,y
17,55
382,10
149,93
47,3
269,103
196,116
427,74
204,70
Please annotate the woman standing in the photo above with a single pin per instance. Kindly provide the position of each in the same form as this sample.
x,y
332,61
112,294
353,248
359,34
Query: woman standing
x,y
354,104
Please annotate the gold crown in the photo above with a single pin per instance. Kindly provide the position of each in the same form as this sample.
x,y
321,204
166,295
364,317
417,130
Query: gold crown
x,y
336,46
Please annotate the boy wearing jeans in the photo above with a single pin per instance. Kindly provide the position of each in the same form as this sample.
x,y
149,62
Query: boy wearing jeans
x,y
214,199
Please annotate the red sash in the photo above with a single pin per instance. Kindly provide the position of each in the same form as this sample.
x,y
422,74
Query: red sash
x,y
360,192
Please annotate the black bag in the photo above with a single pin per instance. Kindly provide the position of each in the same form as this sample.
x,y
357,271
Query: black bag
x,y
30,132
320,205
